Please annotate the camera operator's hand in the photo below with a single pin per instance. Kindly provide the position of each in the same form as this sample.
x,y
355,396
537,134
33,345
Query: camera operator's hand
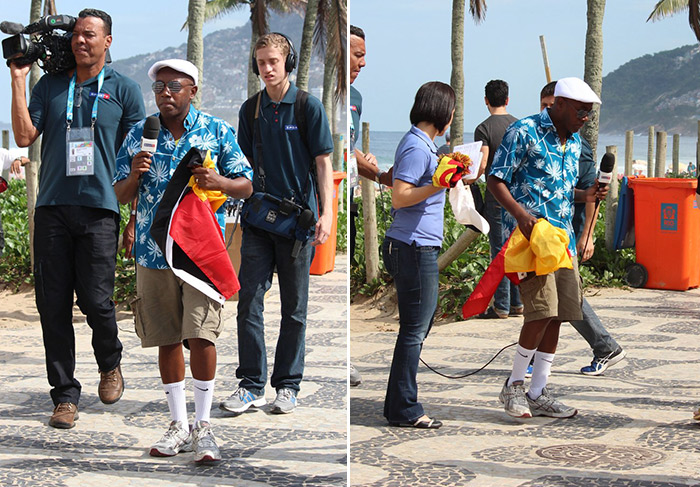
x,y
19,72
207,178
140,164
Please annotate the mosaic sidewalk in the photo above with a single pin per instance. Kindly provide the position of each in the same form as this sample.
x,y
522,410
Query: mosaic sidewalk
x,y
109,445
634,427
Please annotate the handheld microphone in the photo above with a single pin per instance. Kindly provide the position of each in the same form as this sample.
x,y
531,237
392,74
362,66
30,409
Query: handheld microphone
x,y
306,221
11,28
607,165
149,139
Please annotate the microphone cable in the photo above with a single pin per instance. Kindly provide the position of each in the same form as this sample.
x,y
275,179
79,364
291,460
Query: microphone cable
x,y
469,373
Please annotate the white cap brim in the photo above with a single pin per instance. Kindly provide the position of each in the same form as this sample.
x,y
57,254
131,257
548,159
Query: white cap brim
x,y
179,65
575,89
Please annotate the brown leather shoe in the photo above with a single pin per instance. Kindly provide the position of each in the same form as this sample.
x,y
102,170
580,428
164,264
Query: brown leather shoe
x,y
111,385
64,415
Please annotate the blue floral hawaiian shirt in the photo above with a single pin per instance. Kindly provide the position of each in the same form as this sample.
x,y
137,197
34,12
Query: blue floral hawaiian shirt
x,y
202,131
539,171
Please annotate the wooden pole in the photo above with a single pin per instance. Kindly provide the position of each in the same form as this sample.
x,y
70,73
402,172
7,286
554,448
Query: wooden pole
x,y
5,139
650,153
456,249
676,154
545,59
369,216
611,204
660,154
629,151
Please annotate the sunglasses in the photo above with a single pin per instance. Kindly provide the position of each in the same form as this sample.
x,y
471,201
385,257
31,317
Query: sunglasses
x,y
174,86
581,114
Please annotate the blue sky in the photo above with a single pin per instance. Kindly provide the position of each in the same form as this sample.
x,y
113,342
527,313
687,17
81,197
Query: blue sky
x,y
135,30
408,43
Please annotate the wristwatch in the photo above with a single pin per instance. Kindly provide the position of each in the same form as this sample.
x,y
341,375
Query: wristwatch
x,y
378,176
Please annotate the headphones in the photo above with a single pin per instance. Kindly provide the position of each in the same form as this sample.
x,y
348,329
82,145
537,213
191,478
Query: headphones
x,y
289,64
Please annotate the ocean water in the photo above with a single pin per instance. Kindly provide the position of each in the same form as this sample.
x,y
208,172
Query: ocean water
x,y
383,146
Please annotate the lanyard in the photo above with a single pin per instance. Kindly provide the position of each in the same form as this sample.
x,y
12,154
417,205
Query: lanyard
x,y
71,94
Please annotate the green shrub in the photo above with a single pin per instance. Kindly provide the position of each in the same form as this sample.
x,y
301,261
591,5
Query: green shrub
x,y
457,281
15,264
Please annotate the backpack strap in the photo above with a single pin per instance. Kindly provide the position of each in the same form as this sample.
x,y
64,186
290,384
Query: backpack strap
x,y
251,113
300,118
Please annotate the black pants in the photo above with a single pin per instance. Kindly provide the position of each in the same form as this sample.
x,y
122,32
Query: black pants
x,y
75,248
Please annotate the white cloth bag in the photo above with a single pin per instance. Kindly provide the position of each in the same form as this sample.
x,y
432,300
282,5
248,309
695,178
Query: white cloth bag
x,y
463,207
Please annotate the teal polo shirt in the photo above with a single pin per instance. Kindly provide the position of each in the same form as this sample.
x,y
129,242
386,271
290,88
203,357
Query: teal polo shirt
x,y
120,107
287,160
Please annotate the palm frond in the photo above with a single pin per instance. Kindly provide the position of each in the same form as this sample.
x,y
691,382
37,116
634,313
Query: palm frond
x,y
477,8
664,8
218,8
330,37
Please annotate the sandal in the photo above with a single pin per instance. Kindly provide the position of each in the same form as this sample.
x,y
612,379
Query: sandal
x,y
429,423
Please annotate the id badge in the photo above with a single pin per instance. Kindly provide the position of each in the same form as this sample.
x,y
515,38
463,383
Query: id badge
x,y
80,152
352,166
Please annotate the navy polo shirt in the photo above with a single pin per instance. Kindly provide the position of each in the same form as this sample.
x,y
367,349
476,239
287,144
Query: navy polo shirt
x,y
287,160
356,113
120,107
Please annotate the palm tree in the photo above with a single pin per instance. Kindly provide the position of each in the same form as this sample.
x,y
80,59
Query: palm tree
x,y
477,8
195,42
593,64
307,44
259,13
664,8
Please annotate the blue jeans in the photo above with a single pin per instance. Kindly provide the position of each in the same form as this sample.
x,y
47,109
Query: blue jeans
x,y
261,253
593,331
507,293
75,248
415,273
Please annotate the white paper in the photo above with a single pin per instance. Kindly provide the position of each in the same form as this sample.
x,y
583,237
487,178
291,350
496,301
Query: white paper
x,y
473,150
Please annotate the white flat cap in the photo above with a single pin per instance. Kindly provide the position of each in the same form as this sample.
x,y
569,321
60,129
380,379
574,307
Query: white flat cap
x,y
179,65
575,89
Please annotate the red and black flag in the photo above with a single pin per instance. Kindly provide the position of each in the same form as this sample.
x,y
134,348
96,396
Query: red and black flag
x,y
187,231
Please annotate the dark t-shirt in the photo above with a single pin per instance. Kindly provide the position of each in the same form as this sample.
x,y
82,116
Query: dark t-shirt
x,y
356,112
120,107
286,157
586,178
490,132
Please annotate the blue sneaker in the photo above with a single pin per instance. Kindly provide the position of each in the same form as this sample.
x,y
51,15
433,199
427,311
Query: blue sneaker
x,y
601,364
241,400
285,402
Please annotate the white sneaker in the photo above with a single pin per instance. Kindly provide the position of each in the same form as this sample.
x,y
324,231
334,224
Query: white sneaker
x,y
547,405
514,399
175,440
204,443
285,402
241,400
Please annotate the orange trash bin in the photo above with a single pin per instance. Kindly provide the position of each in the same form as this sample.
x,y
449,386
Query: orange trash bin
x,y
667,232
324,260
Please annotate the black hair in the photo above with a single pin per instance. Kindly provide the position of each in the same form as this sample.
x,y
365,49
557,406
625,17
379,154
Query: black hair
x,y
356,31
434,103
548,89
496,92
93,12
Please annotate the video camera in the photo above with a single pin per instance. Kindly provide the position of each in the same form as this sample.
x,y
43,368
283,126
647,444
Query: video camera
x,y
39,41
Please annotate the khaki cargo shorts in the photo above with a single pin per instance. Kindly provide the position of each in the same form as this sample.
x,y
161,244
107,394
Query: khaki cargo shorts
x,y
558,295
167,310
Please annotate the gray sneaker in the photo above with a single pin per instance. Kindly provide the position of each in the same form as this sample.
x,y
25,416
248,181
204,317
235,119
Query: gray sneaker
x,y
175,440
514,399
355,377
241,400
204,443
285,402
547,405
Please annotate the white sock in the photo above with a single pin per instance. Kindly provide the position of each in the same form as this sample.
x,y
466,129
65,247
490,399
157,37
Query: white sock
x,y
520,363
177,403
203,396
540,371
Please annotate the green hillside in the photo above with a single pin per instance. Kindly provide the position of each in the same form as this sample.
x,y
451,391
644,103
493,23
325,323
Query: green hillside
x,y
662,89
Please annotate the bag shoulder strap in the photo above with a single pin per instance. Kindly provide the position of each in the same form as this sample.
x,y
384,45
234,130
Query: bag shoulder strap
x,y
300,118
251,114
